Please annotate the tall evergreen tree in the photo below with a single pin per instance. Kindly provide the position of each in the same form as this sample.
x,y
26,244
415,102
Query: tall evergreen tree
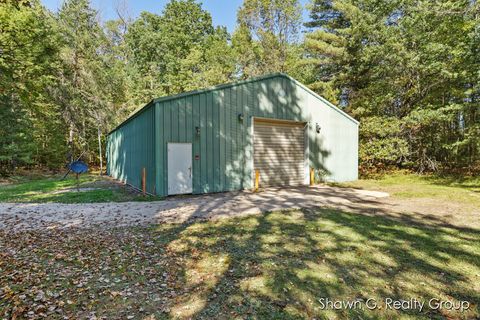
x,y
399,64
407,69
86,92
29,127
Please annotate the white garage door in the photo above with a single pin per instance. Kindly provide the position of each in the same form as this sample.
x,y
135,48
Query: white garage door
x,y
279,152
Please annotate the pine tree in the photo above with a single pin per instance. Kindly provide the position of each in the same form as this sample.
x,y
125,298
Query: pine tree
x,y
28,46
86,92
406,62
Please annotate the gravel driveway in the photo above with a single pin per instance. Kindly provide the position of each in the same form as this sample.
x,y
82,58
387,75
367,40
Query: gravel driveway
x,y
18,216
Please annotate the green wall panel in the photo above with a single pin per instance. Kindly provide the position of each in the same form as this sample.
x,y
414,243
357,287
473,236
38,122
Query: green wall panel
x,y
224,148
130,148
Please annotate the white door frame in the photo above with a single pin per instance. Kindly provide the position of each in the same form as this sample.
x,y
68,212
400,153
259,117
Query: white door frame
x,y
179,173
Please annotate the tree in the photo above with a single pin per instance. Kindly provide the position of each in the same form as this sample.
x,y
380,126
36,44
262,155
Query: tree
x,y
29,129
88,91
266,31
208,63
405,60
162,45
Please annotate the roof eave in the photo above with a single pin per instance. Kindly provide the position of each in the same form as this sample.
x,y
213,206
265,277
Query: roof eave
x,y
229,85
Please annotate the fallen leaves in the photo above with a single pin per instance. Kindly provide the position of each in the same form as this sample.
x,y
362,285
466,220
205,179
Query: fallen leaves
x,y
214,270
71,273
115,293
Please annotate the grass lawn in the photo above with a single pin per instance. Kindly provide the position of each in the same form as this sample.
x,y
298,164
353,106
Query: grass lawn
x,y
465,191
276,265
41,189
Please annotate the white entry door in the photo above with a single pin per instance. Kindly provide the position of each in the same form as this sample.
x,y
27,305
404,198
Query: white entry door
x,y
179,168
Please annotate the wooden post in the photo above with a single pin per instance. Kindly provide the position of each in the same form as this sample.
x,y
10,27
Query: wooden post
x,y
99,132
312,176
144,181
257,179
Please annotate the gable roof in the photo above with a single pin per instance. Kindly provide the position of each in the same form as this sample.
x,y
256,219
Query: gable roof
x,y
229,85
316,95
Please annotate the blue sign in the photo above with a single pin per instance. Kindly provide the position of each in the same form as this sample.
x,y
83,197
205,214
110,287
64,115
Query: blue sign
x,y
78,167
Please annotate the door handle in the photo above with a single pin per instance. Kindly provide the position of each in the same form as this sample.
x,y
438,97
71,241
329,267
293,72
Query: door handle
x,y
190,170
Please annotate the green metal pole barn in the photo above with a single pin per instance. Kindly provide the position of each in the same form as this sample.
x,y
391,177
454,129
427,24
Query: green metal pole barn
x,y
214,140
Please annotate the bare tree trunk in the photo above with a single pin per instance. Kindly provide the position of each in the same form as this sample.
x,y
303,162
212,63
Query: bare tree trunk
x,y
100,149
70,143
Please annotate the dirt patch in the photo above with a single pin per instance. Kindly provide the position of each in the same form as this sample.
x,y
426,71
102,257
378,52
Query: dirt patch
x,y
18,216
451,213
75,190
233,204
110,183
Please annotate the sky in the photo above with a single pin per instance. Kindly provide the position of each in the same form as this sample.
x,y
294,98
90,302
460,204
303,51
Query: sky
x,y
223,11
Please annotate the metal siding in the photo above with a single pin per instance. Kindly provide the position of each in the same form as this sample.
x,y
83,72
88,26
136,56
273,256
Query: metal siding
x,y
242,132
283,102
335,149
222,142
167,134
182,123
235,175
229,138
189,137
203,142
196,144
209,156
225,145
159,163
131,148
174,106
216,141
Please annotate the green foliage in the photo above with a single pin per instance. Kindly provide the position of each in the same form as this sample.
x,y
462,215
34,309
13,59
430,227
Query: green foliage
x,y
382,142
28,47
67,79
412,61
408,70
58,190
266,36
209,63
178,50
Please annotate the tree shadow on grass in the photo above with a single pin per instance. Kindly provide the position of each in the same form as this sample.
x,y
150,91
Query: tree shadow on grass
x,y
278,265
274,265
463,182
